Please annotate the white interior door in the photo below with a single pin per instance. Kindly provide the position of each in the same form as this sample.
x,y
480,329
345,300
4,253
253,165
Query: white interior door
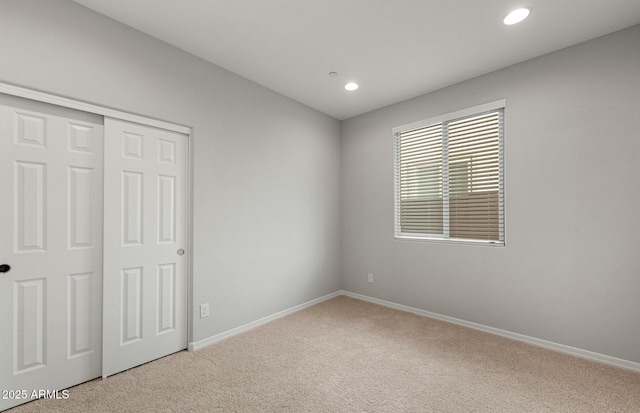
x,y
51,221
144,237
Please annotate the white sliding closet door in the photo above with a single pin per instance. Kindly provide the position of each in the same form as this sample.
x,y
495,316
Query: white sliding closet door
x,y
144,236
51,221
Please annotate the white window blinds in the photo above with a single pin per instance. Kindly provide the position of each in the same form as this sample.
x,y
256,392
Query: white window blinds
x,y
449,177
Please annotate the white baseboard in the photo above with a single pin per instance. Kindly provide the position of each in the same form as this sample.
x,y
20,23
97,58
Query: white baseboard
x,y
589,355
601,358
197,345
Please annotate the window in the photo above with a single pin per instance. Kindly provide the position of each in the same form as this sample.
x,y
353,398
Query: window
x,y
449,182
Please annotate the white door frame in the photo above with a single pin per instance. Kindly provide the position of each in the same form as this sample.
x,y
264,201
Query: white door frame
x,y
45,97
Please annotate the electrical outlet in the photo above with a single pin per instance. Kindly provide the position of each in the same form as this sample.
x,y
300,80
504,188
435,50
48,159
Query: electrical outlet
x,y
204,310
370,278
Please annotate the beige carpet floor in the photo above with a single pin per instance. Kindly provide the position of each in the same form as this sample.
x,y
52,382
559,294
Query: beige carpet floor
x,y
346,355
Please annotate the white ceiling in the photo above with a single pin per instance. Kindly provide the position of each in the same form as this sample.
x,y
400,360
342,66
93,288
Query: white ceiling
x,y
395,49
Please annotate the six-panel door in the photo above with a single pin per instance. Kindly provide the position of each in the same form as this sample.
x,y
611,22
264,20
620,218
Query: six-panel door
x,y
51,221
144,273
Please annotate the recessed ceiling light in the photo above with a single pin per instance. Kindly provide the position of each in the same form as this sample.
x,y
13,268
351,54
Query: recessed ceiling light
x,y
517,16
333,74
351,86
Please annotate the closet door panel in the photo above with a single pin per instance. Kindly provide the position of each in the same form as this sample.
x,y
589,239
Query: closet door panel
x,y
51,216
145,273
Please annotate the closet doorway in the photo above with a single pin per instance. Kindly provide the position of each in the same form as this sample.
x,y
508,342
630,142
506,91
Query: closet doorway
x,y
94,250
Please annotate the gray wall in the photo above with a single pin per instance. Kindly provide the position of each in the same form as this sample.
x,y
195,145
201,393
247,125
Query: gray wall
x,y
570,271
266,189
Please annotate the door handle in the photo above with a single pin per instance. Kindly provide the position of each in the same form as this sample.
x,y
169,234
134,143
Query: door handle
x,y
180,251
4,268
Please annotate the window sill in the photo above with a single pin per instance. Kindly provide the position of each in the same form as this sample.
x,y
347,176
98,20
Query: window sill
x,y
450,240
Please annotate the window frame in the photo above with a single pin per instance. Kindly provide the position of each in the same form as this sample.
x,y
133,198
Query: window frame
x,y
452,116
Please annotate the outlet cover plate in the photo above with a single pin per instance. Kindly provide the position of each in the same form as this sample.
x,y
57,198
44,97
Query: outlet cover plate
x,y
204,310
